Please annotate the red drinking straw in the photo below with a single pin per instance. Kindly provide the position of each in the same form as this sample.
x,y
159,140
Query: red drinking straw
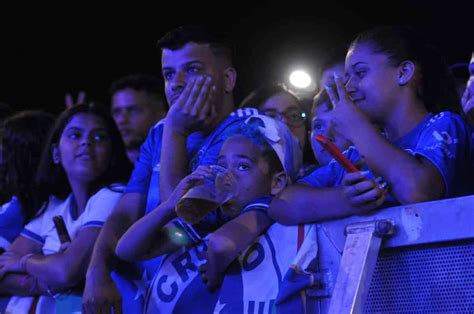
x,y
336,153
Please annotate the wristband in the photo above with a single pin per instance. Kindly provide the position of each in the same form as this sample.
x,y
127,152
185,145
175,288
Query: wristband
x,y
23,261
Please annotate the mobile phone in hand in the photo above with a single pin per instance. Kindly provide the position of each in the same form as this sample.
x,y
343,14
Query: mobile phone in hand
x,y
336,153
61,229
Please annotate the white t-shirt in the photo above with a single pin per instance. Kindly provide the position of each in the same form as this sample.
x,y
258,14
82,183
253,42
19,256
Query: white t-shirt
x,y
98,208
42,230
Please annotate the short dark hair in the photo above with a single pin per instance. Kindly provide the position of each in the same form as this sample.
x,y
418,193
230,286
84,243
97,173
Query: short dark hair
x,y
219,41
321,98
140,82
400,43
260,95
24,136
51,177
252,132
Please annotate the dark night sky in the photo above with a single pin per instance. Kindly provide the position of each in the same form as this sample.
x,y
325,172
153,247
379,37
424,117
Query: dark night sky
x,y
46,52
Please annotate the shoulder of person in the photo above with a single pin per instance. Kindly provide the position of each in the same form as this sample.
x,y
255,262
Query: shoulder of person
x,y
110,190
446,117
159,125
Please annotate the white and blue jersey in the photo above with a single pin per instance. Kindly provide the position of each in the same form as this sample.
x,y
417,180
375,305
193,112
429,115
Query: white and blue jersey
x,y
99,206
251,283
445,139
43,231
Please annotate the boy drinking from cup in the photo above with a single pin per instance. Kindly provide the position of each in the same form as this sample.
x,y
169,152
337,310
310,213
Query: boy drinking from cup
x,y
260,158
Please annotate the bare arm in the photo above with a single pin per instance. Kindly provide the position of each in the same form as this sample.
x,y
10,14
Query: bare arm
x,y
411,179
100,292
233,237
304,204
227,242
22,284
149,236
188,114
66,268
57,271
173,162
129,209
146,238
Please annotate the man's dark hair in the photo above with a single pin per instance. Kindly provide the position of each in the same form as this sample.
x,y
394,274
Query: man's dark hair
x,y
177,38
139,82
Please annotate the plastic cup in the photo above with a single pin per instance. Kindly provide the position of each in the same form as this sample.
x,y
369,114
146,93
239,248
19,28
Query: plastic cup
x,y
207,196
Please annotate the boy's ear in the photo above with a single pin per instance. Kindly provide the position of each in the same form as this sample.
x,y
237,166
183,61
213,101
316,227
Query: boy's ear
x,y
406,72
230,77
279,182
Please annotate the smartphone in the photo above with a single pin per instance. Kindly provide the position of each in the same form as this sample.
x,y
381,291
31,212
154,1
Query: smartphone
x,y
61,229
336,153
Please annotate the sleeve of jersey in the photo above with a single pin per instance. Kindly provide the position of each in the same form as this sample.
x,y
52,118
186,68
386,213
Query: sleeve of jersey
x,y
185,229
325,176
143,168
100,205
446,142
260,205
34,229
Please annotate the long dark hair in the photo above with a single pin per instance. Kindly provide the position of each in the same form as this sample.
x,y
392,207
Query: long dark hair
x,y
436,86
24,136
51,177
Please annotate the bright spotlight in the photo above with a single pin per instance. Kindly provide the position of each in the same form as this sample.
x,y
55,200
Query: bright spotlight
x,y
300,79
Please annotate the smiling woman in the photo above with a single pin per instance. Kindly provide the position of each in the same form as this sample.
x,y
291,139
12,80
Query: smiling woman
x,y
398,83
80,176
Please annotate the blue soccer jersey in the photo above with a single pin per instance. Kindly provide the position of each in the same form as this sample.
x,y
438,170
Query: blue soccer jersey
x,y
445,139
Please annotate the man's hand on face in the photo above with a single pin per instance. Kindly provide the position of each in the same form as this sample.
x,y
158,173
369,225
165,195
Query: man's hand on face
x,y
194,107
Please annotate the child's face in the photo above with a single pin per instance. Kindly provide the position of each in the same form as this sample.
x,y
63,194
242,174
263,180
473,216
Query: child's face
x,y
244,160
85,147
321,124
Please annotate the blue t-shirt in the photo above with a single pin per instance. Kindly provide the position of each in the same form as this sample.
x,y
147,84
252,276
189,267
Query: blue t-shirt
x,y
145,179
201,150
445,139
11,222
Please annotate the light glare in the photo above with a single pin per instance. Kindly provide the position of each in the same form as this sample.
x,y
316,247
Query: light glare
x,y
300,79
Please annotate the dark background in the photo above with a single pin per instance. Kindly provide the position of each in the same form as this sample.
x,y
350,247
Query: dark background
x,y
48,51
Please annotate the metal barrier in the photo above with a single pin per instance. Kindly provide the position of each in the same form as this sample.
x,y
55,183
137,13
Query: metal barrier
x,y
426,265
